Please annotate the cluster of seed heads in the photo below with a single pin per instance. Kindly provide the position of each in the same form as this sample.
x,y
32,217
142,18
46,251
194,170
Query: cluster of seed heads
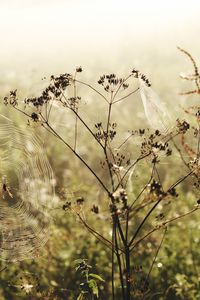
x,y
154,146
111,82
102,135
182,126
137,74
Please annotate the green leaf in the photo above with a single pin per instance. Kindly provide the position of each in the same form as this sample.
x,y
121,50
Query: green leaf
x,y
96,277
79,261
80,296
94,287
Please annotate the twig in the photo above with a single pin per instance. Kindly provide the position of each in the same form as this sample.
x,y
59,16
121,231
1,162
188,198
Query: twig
x,y
154,259
164,224
97,234
76,118
79,157
144,188
116,101
92,88
132,165
155,205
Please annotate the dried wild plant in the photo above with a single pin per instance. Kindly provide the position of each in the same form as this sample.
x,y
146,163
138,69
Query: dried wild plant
x,y
127,224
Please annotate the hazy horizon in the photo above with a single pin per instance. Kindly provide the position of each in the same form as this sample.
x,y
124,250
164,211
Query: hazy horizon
x,y
43,37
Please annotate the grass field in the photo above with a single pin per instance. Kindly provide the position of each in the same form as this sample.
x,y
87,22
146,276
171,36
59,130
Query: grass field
x,y
99,166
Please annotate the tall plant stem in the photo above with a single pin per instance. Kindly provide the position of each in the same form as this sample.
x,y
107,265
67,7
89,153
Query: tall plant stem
x,y
112,260
119,264
128,282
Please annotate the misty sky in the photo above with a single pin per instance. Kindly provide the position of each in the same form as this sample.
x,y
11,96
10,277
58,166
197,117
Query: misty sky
x,y
47,34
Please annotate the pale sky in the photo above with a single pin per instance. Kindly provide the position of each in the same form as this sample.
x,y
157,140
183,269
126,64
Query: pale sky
x,y
50,34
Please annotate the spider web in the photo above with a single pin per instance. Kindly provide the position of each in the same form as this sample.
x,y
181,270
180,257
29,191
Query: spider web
x,y
26,193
